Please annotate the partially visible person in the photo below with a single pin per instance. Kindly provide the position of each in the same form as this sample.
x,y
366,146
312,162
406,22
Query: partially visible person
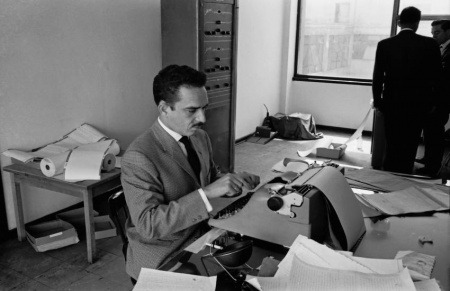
x,y
406,73
434,127
169,176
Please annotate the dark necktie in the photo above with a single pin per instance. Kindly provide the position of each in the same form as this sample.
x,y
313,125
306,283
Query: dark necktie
x,y
191,155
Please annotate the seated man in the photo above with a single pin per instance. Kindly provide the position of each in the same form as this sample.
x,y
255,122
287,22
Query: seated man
x,y
169,176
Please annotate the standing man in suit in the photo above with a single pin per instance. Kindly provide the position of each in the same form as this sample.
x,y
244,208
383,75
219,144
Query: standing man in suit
x,y
169,176
434,128
406,72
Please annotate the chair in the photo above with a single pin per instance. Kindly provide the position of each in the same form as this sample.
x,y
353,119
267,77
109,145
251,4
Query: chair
x,y
118,212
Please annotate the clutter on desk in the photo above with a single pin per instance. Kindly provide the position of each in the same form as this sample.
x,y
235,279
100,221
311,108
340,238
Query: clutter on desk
x,y
51,235
419,265
79,155
309,265
151,279
410,200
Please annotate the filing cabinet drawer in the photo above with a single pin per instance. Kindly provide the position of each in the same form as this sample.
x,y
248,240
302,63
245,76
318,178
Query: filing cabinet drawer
x,y
218,21
219,99
217,66
218,84
217,49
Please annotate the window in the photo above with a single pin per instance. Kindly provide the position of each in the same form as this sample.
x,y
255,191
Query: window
x,y
337,39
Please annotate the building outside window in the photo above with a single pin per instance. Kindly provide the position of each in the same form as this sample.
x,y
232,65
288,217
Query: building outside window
x,y
337,39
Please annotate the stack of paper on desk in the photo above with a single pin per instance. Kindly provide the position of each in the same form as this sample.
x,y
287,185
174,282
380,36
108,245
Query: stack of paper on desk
x,y
83,151
150,279
410,200
311,266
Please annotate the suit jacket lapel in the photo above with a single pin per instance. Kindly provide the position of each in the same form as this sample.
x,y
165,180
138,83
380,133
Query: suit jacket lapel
x,y
173,149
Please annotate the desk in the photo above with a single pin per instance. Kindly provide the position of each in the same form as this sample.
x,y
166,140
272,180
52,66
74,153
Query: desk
x,y
403,234
86,190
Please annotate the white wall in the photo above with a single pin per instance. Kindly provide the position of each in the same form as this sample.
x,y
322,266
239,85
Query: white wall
x,y
66,62
260,56
337,105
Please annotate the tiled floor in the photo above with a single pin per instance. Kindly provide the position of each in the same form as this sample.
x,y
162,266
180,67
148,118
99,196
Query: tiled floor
x,y
22,268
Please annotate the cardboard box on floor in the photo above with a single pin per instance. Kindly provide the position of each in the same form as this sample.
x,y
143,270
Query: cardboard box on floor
x,y
334,152
103,225
51,235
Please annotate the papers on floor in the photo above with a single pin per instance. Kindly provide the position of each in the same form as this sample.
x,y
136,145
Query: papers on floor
x,y
310,146
312,266
84,151
413,199
150,279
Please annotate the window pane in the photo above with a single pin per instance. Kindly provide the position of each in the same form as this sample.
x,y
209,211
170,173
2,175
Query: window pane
x,y
338,38
424,28
436,7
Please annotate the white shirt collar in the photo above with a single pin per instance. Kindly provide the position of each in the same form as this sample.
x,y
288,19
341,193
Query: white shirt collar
x,y
444,45
172,133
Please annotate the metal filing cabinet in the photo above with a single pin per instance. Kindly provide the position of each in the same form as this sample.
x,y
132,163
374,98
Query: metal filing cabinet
x,y
202,34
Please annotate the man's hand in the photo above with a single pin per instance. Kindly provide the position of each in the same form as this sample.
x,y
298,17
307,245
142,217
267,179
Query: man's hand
x,y
231,185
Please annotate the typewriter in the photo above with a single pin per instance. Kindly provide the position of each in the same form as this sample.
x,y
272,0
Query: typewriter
x,y
279,218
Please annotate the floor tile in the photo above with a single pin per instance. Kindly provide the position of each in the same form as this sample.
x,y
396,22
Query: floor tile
x,y
94,282
114,271
32,285
27,261
61,276
69,252
10,278
80,259
111,245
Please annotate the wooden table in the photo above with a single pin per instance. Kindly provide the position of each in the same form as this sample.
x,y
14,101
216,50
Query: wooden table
x,y
86,190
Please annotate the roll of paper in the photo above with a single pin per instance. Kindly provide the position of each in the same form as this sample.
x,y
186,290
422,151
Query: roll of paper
x,y
54,165
109,162
114,148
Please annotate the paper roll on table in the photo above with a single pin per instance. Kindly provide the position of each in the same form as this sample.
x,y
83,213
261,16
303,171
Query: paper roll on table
x,y
109,162
114,148
54,165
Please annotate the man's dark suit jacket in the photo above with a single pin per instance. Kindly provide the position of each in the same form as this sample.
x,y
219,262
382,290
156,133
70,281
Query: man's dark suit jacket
x,y
407,69
446,74
405,88
160,187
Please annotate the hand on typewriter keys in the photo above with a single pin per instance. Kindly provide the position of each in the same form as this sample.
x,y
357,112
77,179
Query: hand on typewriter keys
x,y
231,185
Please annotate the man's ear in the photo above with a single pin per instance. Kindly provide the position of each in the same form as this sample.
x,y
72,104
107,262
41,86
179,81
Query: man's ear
x,y
163,107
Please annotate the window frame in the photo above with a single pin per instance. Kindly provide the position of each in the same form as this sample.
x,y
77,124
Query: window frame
x,y
343,80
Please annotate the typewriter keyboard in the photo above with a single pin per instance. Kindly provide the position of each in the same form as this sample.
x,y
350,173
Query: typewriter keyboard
x,y
234,207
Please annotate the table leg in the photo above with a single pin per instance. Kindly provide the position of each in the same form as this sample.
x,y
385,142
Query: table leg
x,y
90,228
18,207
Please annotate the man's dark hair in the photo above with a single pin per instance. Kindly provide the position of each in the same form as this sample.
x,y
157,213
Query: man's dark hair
x,y
444,23
410,15
169,80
